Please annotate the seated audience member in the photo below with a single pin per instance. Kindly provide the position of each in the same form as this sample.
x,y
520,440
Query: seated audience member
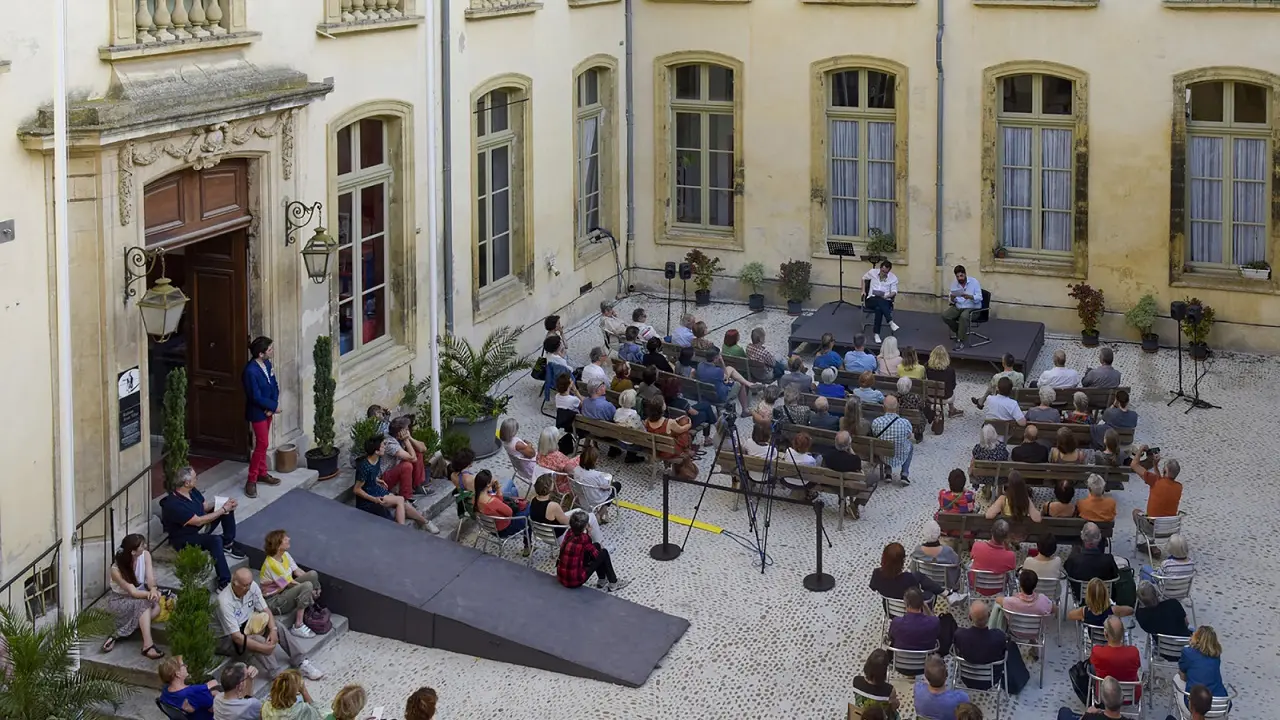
x,y
549,454
1201,662
630,350
1110,694
892,579
758,443
1063,504
544,510
596,487
626,414
679,429
195,701
597,406
580,558
894,427
189,519
858,360
866,390
1177,563
791,408
1045,562
940,369
852,420
1060,376
556,352
1027,601
1015,502
724,379
594,371
700,341
701,413
829,387
931,550
237,701
1103,376
554,326
1045,412
826,357
287,588
489,501
640,319
797,376
911,367
890,358
522,454
978,643
798,453
686,362
348,704
372,494
1158,616
404,465
421,705
682,335
621,377
956,499
1116,659
463,478
1002,406
1008,362
1199,701
1097,605
763,410
248,630
1080,413
1118,416
1031,450
1166,490
764,366
908,400
821,416
1066,451
653,356
994,555
933,698
1109,455
874,681
842,459
990,448
1088,560
917,629
733,345
568,399
383,416
648,390
289,699
1097,506
134,597
968,711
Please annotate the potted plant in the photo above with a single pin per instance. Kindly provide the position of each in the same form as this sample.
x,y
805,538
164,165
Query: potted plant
x,y
793,278
1198,331
879,245
752,275
190,624
323,458
1142,317
704,270
174,413
467,377
361,431
1089,306
43,677
1256,270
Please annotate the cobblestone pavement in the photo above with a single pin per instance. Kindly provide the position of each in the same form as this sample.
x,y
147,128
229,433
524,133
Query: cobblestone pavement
x,y
760,646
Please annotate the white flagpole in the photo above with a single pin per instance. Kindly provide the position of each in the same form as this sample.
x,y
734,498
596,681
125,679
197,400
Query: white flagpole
x,y
433,215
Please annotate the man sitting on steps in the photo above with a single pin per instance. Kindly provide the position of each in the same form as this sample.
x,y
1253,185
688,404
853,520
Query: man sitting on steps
x,y
189,519
249,631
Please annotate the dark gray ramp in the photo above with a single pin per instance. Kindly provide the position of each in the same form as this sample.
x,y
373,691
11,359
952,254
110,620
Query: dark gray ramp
x,y
397,582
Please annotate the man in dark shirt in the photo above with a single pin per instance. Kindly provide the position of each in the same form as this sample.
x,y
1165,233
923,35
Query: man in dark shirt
x,y
916,630
842,459
189,520
1030,451
1103,376
1160,617
1118,416
1088,561
821,416
979,644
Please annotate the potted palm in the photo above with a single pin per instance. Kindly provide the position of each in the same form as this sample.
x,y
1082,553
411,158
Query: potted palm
x,y
704,271
1256,270
467,377
1142,317
793,278
1089,306
752,275
323,458
1197,331
42,676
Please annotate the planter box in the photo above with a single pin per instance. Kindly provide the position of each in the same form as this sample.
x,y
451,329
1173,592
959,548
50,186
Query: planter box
x,y
482,434
1254,274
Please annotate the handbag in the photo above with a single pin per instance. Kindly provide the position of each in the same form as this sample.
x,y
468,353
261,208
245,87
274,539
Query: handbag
x,y
1124,591
167,603
1079,674
539,369
318,619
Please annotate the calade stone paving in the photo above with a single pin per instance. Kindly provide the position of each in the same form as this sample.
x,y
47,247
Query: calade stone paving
x,y
760,646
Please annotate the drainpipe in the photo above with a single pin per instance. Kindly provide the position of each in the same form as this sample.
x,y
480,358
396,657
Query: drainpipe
x,y
942,97
446,153
433,224
631,140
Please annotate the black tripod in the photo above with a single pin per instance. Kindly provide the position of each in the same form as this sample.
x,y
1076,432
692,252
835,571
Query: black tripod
x,y
1193,313
841,250
670,272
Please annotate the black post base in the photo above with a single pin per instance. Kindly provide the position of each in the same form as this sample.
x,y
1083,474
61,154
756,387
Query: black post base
x,y
818,582
663,552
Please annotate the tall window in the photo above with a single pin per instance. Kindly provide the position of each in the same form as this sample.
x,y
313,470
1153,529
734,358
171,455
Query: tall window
x,y
1036,122
590,118
861,152
495,152
364,199
1227,172
703,137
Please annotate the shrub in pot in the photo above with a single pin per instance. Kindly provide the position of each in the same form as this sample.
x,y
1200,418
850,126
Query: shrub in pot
x,y
1197,332
323,458
1090,305
1142,317
752,275
361,431
704,271
174,412
190,625
879,245
793,278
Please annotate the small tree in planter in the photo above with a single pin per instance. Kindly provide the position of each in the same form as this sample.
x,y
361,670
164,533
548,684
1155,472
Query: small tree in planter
x,y
793,278
40,677
1198,332
1090,305
879,245
467,376
704,270
190,631
323,458
1142,317
752,275
176,446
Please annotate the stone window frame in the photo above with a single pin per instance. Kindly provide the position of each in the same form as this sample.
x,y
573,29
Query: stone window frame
x,y
606,66
666,231
1181,272
1271,5
371,361
589,3
333,23
1075,264
482,9
1042,4
124,43
819,71
862,3
510,290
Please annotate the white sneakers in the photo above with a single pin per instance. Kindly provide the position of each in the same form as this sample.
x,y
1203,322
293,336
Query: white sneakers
x,y
893,326
431,528
878,341
309,671
303,631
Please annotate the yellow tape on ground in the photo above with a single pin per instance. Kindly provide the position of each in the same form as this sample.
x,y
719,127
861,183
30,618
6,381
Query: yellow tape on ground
x,y
674,518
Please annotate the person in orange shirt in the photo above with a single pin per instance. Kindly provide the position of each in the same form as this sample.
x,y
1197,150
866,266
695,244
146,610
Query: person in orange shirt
x,y
1166,491
1097,506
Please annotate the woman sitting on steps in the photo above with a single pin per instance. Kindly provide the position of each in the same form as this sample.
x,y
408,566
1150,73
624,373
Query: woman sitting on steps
x,y
130,601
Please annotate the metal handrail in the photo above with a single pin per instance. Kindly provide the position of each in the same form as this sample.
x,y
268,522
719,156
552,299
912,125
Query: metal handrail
x,y
30,571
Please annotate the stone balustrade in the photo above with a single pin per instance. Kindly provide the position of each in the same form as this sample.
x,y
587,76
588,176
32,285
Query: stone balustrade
x,y
354,16
152,27
494,8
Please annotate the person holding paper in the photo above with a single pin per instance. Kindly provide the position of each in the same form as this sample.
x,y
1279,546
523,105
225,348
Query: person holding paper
x,y
189,519
965,297
880,293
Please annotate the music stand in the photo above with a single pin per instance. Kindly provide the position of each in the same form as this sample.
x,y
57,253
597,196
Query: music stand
x,y
841,249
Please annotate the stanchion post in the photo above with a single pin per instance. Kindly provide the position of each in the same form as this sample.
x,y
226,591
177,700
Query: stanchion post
x,y
665,550
818,581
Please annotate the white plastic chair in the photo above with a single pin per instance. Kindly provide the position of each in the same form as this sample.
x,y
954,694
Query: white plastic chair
x,y
964,672
1130,691
542,535
488,532
1177,587
1155,531
1028,631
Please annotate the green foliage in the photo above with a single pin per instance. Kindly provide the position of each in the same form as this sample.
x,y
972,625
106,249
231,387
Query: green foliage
x,y
174,414
409,394
190,630
880,243
325,386
362,430
1257,265
704,268
1090,305
468,375
39,680
752,274
1142,316
426,435
793,277
1198,332
454,440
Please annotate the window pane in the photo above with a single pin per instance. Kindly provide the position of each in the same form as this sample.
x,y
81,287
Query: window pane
x,y
720,83
1015,190
721,170
373,262
374,323
482,260
482,219
688,204
1055,95
1055,189
1250,103
481,116
592,213
501,205
844,89
1017,93
344,219
688,130
688,80
689,168
721,208
372,143
1205,165
1248,201
721,132
1206,102
499,110
344,150
346,339
500,168
482,174
372,210
843,149
588,88
345,279
501,256
879,90
880,176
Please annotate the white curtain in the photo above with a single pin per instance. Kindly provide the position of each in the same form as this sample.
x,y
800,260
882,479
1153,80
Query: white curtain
x,y
880,176
1206,199
1015,195
843,144
1248,201
1055,189
588,175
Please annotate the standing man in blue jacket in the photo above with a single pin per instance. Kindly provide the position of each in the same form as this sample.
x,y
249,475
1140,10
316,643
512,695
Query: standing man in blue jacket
x,y
261,403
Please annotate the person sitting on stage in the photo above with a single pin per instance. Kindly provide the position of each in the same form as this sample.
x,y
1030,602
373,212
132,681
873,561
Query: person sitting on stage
x,y
866,390
792,408
1080,413
1031,450
580,558
640,319
797,375
821,416
826,357
889,360
732,345
910,367
653,356
829,387
882,289
610,323
764,366
700,341
712,370
966,296
895,428
1059,376
1103,376
1008,362
371,492
858,359
545,511
682,335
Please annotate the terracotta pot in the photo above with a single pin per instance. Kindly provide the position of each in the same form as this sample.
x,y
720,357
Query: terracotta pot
x,y
286,458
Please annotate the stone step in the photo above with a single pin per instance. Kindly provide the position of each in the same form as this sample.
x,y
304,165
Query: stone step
x,y
439,497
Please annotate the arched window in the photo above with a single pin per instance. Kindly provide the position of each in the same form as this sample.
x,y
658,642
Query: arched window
x,y
495,151
1035,145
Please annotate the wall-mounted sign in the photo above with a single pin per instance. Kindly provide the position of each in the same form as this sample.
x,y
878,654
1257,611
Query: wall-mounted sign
x,y
129,391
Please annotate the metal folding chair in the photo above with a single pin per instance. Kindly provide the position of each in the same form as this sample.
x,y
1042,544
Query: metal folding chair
x,y
892,609
1177,587
945,574
1028,631
1162,655
983,580
965,674
488,532
1154,532
1056,590
910,663
578,495
1132,693
542,535
1219,709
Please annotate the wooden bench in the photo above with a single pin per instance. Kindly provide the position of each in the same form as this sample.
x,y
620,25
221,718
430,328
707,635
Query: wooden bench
x,y
1048,432
1099,398
1048,475
846,485
889,384
870,411
1065,530
649,445
691,389
868,448
744,366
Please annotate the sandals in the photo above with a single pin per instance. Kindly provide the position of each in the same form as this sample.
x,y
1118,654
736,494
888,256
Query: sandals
x,y
146,652
109,644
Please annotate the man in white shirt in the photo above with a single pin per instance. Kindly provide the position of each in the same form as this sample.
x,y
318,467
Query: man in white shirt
x,y
1002,406
1060,376
640,318
610,323
966,296
593,373
882,289
237,602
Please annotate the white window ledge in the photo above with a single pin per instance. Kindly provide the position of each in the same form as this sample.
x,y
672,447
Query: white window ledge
x,y
366,26
860,2
1222,4
1062,4
589,3
125,52
484,9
